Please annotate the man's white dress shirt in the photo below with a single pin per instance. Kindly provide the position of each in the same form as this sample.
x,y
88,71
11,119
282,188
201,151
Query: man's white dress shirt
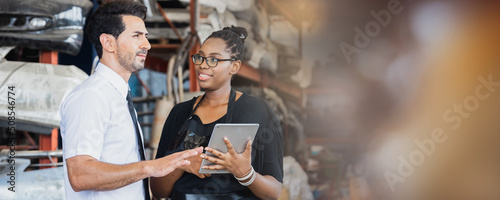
x,y
95,121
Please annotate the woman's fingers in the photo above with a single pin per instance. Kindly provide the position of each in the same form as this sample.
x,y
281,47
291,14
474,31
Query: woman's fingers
x,y
231,160
214,151
211,159
248,149
230,148
214,167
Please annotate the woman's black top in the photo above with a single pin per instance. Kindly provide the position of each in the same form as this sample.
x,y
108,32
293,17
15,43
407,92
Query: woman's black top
x,y
267,147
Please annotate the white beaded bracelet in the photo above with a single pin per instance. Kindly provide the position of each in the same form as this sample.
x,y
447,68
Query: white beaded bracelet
x,y
254,175
246,177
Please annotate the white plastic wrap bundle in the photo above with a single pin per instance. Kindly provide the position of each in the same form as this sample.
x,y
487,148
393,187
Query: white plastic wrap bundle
x,y
295,179
39,89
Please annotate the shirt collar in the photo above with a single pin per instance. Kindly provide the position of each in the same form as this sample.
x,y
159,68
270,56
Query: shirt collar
x,y
113,78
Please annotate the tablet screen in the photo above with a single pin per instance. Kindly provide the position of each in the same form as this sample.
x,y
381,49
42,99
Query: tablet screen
x,y
238,135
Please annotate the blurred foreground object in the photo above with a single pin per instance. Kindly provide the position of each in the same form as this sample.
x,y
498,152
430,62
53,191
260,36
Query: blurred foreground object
x,y
445,145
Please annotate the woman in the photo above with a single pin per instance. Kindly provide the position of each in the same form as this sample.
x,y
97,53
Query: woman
x,y
256,173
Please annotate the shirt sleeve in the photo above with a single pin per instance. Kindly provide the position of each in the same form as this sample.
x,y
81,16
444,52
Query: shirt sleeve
x,y
84,119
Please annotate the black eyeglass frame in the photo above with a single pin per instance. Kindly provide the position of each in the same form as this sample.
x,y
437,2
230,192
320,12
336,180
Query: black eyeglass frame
x,y
205,59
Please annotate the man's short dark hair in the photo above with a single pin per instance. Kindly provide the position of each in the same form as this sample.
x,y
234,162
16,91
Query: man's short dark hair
x,y
108,19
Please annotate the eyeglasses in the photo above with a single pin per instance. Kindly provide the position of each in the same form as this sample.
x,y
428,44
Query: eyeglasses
x,y
211,61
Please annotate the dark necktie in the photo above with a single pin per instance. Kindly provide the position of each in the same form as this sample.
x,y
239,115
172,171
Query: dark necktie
x,y
131,109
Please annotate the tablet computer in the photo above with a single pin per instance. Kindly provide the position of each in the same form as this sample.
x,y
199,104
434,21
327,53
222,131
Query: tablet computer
x,y
238,135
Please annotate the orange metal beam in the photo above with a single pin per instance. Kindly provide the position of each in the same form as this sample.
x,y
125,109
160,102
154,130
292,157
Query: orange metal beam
x,y
289,88
265,80
249,73
165,46
193,13
48,57
48,142
193,81
193,9
169,22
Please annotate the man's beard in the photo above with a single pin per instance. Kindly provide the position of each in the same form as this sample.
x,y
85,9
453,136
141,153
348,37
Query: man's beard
x,y
129,63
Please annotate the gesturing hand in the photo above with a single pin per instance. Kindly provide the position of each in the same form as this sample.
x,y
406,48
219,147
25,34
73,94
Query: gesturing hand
x,y
237,164
167,164
194,167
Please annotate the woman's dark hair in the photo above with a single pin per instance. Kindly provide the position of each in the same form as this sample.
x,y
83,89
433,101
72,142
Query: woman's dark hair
x,y
234,38
108,19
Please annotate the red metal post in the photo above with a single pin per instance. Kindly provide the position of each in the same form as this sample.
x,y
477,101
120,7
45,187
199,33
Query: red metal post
x,y
193,81
169,22
194,15
48,57
48,142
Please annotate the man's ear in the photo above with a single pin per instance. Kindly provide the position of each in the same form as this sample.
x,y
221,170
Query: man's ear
x,y
235,67
107,42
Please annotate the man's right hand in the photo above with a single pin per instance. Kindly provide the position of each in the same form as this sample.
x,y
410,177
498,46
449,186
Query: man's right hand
x,y
167,164
194,167
87,173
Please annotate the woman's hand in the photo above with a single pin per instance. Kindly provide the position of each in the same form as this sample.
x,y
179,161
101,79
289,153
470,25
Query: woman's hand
x,y
237,164
194,167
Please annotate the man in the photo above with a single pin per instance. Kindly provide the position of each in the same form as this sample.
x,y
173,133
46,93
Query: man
x,y
102,141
